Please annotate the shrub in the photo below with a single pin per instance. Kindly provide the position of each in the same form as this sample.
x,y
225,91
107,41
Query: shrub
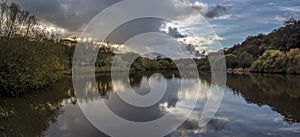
x,y
26,65
275,61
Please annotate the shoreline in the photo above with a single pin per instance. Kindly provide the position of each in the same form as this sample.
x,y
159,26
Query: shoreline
x,y
248,71
229,71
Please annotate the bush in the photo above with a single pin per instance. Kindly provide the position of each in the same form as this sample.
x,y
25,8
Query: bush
x,y
231,61
268,62
27,65
275,61
245,60
2,116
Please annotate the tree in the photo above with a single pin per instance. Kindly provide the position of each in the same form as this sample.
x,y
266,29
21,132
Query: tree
x,y
272,61
13,14
3,10
245,59
23,16
32,20
231,61
16,22
290,21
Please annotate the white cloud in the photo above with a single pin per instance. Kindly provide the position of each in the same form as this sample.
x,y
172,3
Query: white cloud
x,y
225,17
200,7
290,9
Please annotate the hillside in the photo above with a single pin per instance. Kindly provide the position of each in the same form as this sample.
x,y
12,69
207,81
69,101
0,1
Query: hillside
x,y
283,39
276,52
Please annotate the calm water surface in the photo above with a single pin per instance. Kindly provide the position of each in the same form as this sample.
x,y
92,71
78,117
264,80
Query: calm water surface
x,y
253,105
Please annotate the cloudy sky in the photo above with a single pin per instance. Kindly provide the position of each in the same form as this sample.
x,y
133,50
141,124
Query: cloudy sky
x,y
232,20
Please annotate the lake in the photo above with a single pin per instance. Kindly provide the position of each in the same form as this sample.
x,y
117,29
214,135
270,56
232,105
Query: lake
x,y
253,105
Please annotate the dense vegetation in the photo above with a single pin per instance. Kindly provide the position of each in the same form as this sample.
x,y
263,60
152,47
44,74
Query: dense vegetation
x,y
30,57
2,116
278,62
29,65
277,52
283,39
106,57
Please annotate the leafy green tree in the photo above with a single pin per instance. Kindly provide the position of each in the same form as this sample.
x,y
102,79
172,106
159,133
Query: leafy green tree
x,y
245,59
231,61
293,65
270,61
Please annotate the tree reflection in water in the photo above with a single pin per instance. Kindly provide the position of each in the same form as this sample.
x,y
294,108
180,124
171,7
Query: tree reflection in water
x,y
33,115
280,92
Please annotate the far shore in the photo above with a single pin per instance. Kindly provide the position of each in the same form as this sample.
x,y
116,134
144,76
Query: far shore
x,y
229,71
248,71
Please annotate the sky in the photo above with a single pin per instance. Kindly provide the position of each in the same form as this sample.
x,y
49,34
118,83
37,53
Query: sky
x,y
232,20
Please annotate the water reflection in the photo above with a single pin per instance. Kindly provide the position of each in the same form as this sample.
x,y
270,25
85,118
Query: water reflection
x,y
31,116
174,105
263,105
280,92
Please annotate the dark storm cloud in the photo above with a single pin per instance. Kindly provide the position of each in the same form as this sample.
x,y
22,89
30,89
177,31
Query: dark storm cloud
x,y
139,26
173,32
71,15
191,48
133,28
217,11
